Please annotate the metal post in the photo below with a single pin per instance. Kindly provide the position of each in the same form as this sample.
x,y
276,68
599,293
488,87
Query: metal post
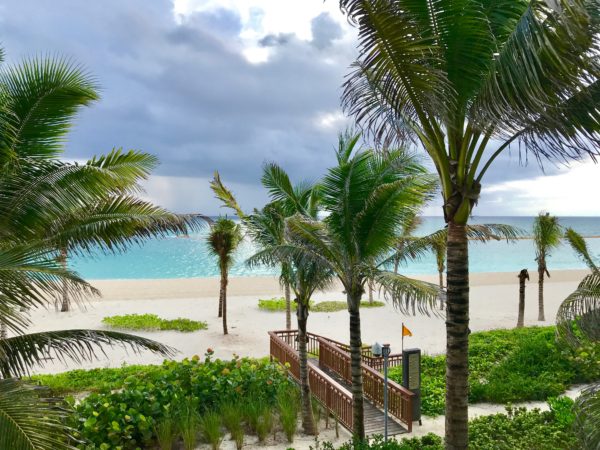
x,y
386,352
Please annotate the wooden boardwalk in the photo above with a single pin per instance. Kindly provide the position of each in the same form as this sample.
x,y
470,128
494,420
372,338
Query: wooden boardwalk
x,y
330,382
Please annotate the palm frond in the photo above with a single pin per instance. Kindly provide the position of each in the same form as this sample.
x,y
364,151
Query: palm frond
x,y
280,188
225,195
30,419
44,94
401,290
587,417
579,246
19,354
578,316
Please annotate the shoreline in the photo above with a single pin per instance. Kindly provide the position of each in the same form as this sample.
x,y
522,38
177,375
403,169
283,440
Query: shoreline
x,y
176,288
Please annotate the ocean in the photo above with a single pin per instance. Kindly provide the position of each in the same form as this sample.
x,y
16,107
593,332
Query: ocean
x,y
187,257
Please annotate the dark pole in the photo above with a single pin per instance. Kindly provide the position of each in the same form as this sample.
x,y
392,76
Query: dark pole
x,y
386,352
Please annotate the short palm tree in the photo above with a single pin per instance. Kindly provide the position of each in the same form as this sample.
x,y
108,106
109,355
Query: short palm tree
x,y
578,324
465,80
223,239
365,198
547,234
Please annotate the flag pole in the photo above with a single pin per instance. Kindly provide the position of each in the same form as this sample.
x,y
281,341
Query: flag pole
x,y
402,337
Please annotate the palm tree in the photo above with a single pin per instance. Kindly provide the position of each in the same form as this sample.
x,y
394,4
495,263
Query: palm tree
x,y
465,80
267,228
523,275
578,324
365,198
547,234
224,237
43,204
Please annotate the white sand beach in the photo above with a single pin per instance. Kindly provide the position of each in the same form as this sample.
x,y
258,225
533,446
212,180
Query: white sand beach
x,y
494,300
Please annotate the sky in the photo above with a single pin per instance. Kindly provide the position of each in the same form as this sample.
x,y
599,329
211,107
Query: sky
x,y
228,85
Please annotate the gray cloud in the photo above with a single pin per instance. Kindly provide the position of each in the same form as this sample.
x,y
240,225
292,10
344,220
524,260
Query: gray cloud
x,y
184,91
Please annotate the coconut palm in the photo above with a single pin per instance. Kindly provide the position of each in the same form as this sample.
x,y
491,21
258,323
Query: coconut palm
x,y
224,237
45,203
547,234
366,198
465,80
523,275
578,324
267,229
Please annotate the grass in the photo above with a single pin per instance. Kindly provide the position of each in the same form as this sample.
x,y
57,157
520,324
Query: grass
x,y
288,405
278,304
507,366
210,426
233,419
165,433
151,322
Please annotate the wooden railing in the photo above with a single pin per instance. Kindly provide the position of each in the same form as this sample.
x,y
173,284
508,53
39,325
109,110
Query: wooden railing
x,y
332,395
399,398
335,356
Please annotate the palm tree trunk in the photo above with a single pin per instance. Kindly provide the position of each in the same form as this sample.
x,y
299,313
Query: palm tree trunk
x,y
65,305
308,420
3,331
457,338
521,318
288,306
224,281
441,275
356,368
541,315
222,269
370,283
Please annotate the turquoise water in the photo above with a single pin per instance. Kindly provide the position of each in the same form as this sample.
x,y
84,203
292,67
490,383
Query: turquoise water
x,y
177,257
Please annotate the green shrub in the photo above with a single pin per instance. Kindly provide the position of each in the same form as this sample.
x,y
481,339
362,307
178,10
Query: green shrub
x,y
288,405
278,304
428,442
210,426
509,366
126,416
151,322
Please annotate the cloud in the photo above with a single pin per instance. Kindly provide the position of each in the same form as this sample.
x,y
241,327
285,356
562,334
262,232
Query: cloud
x,y
207,85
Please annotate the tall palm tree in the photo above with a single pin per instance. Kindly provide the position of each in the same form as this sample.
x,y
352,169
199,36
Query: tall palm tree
x,y
224,237
523,275
547,234
365,198
43,204
465,80
578,324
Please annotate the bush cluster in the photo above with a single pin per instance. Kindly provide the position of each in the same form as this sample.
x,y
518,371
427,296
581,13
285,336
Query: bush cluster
x,y
518,429
509,366
151,322
126,416
278,304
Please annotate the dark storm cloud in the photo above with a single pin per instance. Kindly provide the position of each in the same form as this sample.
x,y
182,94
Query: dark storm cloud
x,y
185,92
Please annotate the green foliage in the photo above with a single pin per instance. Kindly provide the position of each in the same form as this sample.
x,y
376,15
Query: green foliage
x,y
233,418
259,416
151,322
288,405
188,422
521,429
428,442
278,304
166,432
509,366
126,414
210,426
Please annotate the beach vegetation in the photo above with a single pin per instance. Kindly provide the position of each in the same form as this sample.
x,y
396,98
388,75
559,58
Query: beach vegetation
x,y
528,83
507,366
188,422
547,235
223,239
233,420
259,416
151,322
166,432
278,304
210,427
288,407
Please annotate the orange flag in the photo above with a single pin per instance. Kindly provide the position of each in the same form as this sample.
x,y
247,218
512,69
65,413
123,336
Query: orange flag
x,y
406,331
